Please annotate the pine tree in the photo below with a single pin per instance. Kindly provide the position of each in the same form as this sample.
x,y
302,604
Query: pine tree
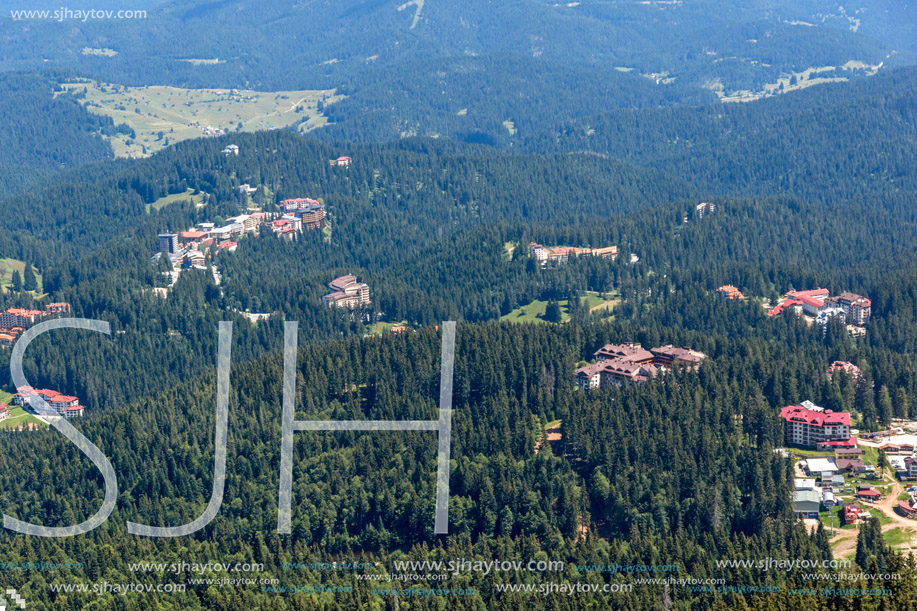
x,y
29,281
885,406
902,407
552,312
16,283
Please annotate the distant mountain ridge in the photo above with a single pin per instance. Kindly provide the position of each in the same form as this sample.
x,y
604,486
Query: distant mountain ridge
x,y
270,45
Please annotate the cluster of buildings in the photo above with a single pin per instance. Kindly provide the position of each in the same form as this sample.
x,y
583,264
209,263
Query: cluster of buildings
x,y
298,214
619,363
810,495
849,307
347,292
562,254
16,320
61,406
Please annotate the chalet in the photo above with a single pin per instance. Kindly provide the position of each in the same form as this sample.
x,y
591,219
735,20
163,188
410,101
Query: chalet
x,y
847,368
848,453
730,292
57,308
850,465
342,162
232,149
347,293
904,508
870,495
4,411
852,513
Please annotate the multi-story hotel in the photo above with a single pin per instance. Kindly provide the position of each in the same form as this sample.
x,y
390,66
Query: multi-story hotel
x,y
809,428
348,293
619,363
310,212
60,405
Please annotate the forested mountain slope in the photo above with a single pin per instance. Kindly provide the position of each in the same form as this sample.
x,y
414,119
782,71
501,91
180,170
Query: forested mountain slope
x,y
41,134
831,143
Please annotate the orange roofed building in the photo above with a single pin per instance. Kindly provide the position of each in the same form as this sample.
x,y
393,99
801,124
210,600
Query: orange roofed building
x,y
730,292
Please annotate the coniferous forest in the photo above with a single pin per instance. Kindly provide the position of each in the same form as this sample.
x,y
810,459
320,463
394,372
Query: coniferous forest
x,y
686,471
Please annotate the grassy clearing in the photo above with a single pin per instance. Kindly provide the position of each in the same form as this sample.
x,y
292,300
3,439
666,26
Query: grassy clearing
x,y
508,249
794,81
100,52
534,311
162,115
18,416
378,328
162,202
7,266
897,537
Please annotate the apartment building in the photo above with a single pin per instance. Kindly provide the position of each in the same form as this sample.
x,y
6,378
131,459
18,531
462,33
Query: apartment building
x,y
347,293
808,428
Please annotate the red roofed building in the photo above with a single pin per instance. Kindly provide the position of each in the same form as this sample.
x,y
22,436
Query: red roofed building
x,y
4,411
848,368
807,428
61,405
780,307
343,162
852,513
228,245
57,308
193,235
869,495
817,293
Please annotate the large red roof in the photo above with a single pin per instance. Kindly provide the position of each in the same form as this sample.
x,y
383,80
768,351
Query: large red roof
x,y
797,413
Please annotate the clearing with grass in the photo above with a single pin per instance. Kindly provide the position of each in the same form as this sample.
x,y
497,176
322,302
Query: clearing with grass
x,y
160,116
